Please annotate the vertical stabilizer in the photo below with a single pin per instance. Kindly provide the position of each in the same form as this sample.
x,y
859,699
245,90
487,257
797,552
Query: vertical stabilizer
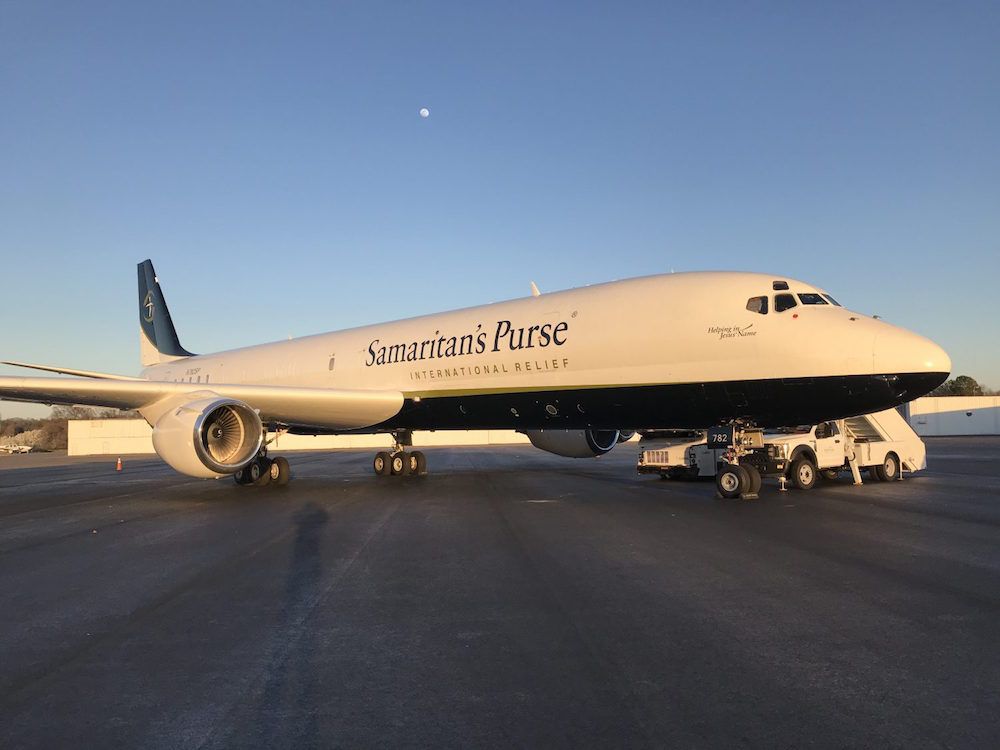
x,y
158,340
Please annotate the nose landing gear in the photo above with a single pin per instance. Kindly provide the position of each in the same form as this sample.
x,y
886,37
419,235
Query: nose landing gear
x,y
739,470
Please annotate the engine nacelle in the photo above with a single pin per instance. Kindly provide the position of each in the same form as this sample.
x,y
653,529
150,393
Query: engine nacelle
x,y
208,438
574,443
625,435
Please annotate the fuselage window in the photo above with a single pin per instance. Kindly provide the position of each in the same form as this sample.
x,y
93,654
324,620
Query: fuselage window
x,y
832,301
813,299
333,360
783,302
757,305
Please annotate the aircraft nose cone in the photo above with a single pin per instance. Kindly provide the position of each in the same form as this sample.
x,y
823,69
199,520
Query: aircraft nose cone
x,y
897,351
936,359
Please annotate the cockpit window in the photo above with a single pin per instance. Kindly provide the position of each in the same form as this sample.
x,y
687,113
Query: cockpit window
x,y
757,305
812,299
784,302
832,301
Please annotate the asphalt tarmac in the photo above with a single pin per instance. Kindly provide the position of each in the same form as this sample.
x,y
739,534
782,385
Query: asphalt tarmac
x,y
511,598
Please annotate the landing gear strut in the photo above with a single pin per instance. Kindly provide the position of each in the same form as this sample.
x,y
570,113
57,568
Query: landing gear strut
x,y
399,462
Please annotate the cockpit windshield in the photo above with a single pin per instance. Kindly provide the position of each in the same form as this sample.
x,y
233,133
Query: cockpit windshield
x,y
810,298
784,302
832,301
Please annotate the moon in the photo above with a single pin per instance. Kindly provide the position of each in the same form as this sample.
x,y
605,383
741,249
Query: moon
x,y
424,112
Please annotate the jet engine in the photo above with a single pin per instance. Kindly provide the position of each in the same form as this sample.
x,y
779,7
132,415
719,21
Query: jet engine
x,y
625,435
208,438
574,443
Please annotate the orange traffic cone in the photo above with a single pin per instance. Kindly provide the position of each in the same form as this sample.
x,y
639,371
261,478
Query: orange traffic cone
x,y
118,466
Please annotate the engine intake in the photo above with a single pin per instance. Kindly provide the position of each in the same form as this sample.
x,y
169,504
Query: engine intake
x,y
209,437
574,443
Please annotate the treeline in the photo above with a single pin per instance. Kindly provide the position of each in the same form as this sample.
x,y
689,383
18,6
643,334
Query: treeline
x,y
963,385
51,433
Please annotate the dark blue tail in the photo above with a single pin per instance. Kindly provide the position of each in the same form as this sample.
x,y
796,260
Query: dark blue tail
x,y
158,338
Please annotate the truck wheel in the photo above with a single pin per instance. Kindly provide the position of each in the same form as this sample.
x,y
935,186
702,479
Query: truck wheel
x,y
803,474
889,470
731,481
830,474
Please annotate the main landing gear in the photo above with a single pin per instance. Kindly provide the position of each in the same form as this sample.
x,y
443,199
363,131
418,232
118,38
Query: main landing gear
x,y
399,462
264,471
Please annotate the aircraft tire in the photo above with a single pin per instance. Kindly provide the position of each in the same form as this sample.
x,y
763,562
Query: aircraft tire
x,y
731,481
281,472
421,460
381,464
398,464
755,480
416,464
260,472
242,477
803,473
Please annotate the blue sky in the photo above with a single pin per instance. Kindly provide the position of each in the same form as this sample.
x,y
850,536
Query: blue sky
x,y
270,158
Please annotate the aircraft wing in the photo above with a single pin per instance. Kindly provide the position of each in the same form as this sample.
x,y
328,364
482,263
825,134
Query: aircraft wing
x,y
329,408
68,371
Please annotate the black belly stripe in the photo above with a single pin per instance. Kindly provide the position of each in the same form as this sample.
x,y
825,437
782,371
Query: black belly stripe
x,y
766,403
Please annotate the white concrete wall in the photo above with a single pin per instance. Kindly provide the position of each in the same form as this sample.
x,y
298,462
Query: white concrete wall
x,y
125,436
95,437
955,415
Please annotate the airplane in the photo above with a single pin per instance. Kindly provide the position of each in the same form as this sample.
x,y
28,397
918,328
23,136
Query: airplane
x,y
577,371
12,449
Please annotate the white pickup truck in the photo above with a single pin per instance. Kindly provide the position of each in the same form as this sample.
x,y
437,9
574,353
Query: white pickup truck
x,y
883,443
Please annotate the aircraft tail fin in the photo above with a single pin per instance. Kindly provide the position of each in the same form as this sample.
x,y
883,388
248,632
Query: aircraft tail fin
x,y
158,340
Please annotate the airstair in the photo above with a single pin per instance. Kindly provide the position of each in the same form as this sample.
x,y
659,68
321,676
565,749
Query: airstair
x,y
889,426
861,429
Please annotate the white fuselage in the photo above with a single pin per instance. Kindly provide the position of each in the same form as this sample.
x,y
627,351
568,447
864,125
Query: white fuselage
x,y
668,329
